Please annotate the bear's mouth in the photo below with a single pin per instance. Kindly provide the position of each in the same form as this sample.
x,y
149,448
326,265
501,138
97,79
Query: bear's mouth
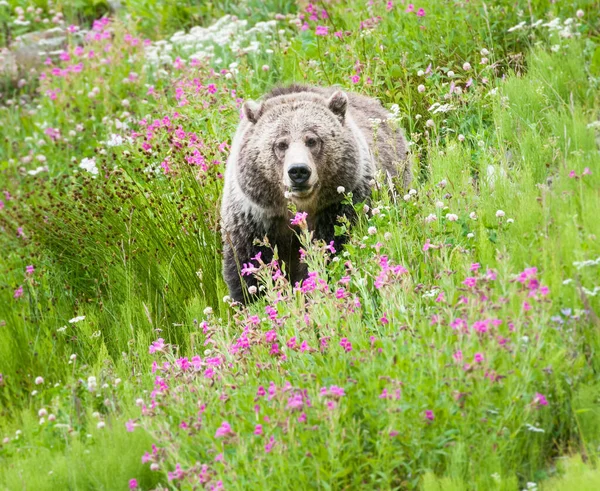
x,y
302,192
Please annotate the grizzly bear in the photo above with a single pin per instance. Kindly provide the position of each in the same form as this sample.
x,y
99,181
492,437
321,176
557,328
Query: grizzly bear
x,y
301,144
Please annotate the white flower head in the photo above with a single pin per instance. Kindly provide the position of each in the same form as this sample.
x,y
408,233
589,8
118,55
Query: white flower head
x,y
89,165
114,140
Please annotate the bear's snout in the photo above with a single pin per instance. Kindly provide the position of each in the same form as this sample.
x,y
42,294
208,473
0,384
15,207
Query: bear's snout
x,y
299,174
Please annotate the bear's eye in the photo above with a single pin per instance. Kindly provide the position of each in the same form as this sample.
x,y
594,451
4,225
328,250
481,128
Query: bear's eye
x,y
282,146
311,142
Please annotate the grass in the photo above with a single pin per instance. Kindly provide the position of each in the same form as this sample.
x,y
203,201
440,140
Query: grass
x,y
453,344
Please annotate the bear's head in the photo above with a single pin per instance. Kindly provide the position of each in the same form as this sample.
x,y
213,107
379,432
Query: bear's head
x,y
300,147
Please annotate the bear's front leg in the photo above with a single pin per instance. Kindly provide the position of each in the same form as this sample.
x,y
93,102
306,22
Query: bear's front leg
x,y
328,219
238,251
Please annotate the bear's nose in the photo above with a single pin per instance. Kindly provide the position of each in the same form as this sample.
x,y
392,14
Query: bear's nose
x,y
299,173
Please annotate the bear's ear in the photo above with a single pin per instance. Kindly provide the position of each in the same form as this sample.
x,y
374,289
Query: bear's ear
x,y
338,103
252,111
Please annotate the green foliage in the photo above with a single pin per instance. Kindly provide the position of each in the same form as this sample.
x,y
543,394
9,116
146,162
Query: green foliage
x,y
507,176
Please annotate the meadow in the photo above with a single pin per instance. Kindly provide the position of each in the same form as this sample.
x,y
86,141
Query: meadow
x,y
452,344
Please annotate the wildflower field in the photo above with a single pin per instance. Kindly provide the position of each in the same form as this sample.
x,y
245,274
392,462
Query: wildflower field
x,y
454,343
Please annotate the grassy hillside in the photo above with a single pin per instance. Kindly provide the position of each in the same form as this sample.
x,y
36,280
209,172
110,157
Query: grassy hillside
x,y
453,343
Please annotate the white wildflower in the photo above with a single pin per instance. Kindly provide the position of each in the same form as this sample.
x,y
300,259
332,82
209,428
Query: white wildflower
x,y
89,165
37,170
114,140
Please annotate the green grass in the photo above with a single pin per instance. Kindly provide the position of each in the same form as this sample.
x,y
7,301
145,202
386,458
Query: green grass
x,y
136,250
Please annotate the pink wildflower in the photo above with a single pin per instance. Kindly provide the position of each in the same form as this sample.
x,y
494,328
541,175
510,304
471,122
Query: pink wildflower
x,y
165,166
157,345
346,344
336,391
429,415
321,30
223,430
18,292
130,425
410,8
470,282
540,399
270,444
478,358
299,219
133,484
421,13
